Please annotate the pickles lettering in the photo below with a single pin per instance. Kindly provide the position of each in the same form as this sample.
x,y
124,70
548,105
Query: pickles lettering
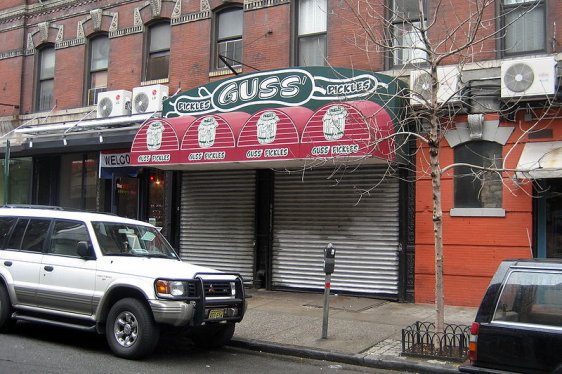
x,y
279,88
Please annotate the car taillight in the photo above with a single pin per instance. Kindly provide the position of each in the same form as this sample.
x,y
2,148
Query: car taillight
x,y
473,343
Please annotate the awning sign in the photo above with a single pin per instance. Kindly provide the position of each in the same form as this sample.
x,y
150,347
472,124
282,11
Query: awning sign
x,y
275,116
114,160
116,163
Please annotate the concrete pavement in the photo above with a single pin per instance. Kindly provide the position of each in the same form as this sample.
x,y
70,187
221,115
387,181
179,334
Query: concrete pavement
x,y
361,331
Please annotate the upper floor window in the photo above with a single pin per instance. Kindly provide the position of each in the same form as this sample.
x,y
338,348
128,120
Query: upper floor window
x,y
476,187
312,28
229,24
45,79
98,64
407,42
524,26
158,51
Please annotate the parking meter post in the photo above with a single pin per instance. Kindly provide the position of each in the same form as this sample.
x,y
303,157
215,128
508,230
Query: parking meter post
x,y
327,286
329,265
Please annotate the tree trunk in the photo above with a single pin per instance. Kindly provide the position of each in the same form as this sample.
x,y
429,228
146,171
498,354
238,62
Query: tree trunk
x,y
437,223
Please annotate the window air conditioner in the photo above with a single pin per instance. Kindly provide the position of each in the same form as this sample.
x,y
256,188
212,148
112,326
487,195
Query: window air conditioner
x,y
528,77
114,103
148,99
93,95
448,90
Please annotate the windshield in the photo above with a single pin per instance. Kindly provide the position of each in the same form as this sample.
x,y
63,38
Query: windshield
x,y
119,239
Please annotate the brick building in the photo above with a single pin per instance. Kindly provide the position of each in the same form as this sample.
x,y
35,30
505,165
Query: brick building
x,y
82,80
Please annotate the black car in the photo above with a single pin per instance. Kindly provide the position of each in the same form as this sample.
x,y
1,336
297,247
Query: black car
x,y
518,327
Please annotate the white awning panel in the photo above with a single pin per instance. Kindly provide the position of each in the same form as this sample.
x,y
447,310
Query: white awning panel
x,y
540,160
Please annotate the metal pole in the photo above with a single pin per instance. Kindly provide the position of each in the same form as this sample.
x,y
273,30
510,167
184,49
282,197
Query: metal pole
x,y
327,286
7,172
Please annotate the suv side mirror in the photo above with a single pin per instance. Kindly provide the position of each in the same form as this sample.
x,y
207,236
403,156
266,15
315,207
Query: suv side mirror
x,y
84,250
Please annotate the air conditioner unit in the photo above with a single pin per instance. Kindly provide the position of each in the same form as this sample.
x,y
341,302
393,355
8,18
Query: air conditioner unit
x,y
93,95
114,103
148,99
528,77
447,92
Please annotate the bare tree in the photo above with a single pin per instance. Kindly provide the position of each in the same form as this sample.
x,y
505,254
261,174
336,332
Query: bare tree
x,y
424,37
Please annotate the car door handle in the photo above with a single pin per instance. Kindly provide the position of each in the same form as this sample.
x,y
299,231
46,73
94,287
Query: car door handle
x,y
48,268
7,263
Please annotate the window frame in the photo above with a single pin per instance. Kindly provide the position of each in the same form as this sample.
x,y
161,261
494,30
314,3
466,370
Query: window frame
x,y
23,228
56,229
504,9
402,22
92,71
315,36
523,301
150,54
42,80
235,39
476,205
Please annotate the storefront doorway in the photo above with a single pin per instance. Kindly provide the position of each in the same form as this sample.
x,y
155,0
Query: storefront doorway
x,y
549,218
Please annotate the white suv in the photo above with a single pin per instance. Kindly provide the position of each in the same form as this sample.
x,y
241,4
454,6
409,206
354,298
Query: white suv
x,y
111,275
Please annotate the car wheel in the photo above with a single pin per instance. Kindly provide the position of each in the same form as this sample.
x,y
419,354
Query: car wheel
x,y
130,329
214,336
6,310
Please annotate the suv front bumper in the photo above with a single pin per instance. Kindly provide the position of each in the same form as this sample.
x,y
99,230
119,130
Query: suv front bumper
x,y
175,313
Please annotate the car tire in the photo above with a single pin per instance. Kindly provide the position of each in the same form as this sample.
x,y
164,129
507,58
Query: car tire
x,y
214,336
130,329
6,321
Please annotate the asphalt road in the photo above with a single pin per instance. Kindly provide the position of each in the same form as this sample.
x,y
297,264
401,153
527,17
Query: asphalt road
x,y
39,349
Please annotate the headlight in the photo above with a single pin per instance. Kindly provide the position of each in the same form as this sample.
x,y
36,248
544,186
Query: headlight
x,y
171,288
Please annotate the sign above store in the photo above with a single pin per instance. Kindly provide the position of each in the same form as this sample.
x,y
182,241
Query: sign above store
x,y
274,117
309,87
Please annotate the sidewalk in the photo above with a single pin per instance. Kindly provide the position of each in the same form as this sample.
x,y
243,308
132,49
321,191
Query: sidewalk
x,y
361,331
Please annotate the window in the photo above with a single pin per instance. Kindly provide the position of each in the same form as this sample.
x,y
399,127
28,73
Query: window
x,y
531,297
98,64
474,187
78,182
524,26
312,28
6,224
406,37
46,79
229,24
29,235
158,52
66,236
20,180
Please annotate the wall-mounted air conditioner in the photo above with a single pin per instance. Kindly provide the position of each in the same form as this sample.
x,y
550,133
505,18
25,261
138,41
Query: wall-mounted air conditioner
x,y
148,99
528,77
114,103
447,92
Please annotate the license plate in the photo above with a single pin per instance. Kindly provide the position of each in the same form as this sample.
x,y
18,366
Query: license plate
x,y
216,313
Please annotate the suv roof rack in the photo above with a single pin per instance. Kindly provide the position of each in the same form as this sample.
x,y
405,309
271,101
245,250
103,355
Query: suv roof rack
x,y
31,206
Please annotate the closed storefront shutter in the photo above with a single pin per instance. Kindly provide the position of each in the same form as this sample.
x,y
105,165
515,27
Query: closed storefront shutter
x,y
218,220
357,211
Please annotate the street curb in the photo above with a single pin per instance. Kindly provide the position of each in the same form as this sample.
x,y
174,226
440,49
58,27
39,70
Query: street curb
x,y
357,359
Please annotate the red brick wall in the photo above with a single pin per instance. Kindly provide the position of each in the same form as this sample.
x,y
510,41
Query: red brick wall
x,y
69,77
264,50
189,61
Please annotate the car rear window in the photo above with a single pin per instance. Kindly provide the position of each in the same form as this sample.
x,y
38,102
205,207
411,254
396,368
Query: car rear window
x,y
531,297
29,234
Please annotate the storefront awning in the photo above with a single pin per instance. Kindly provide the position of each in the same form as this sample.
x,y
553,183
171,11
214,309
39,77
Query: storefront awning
x,y
540,160
278,118
342,131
